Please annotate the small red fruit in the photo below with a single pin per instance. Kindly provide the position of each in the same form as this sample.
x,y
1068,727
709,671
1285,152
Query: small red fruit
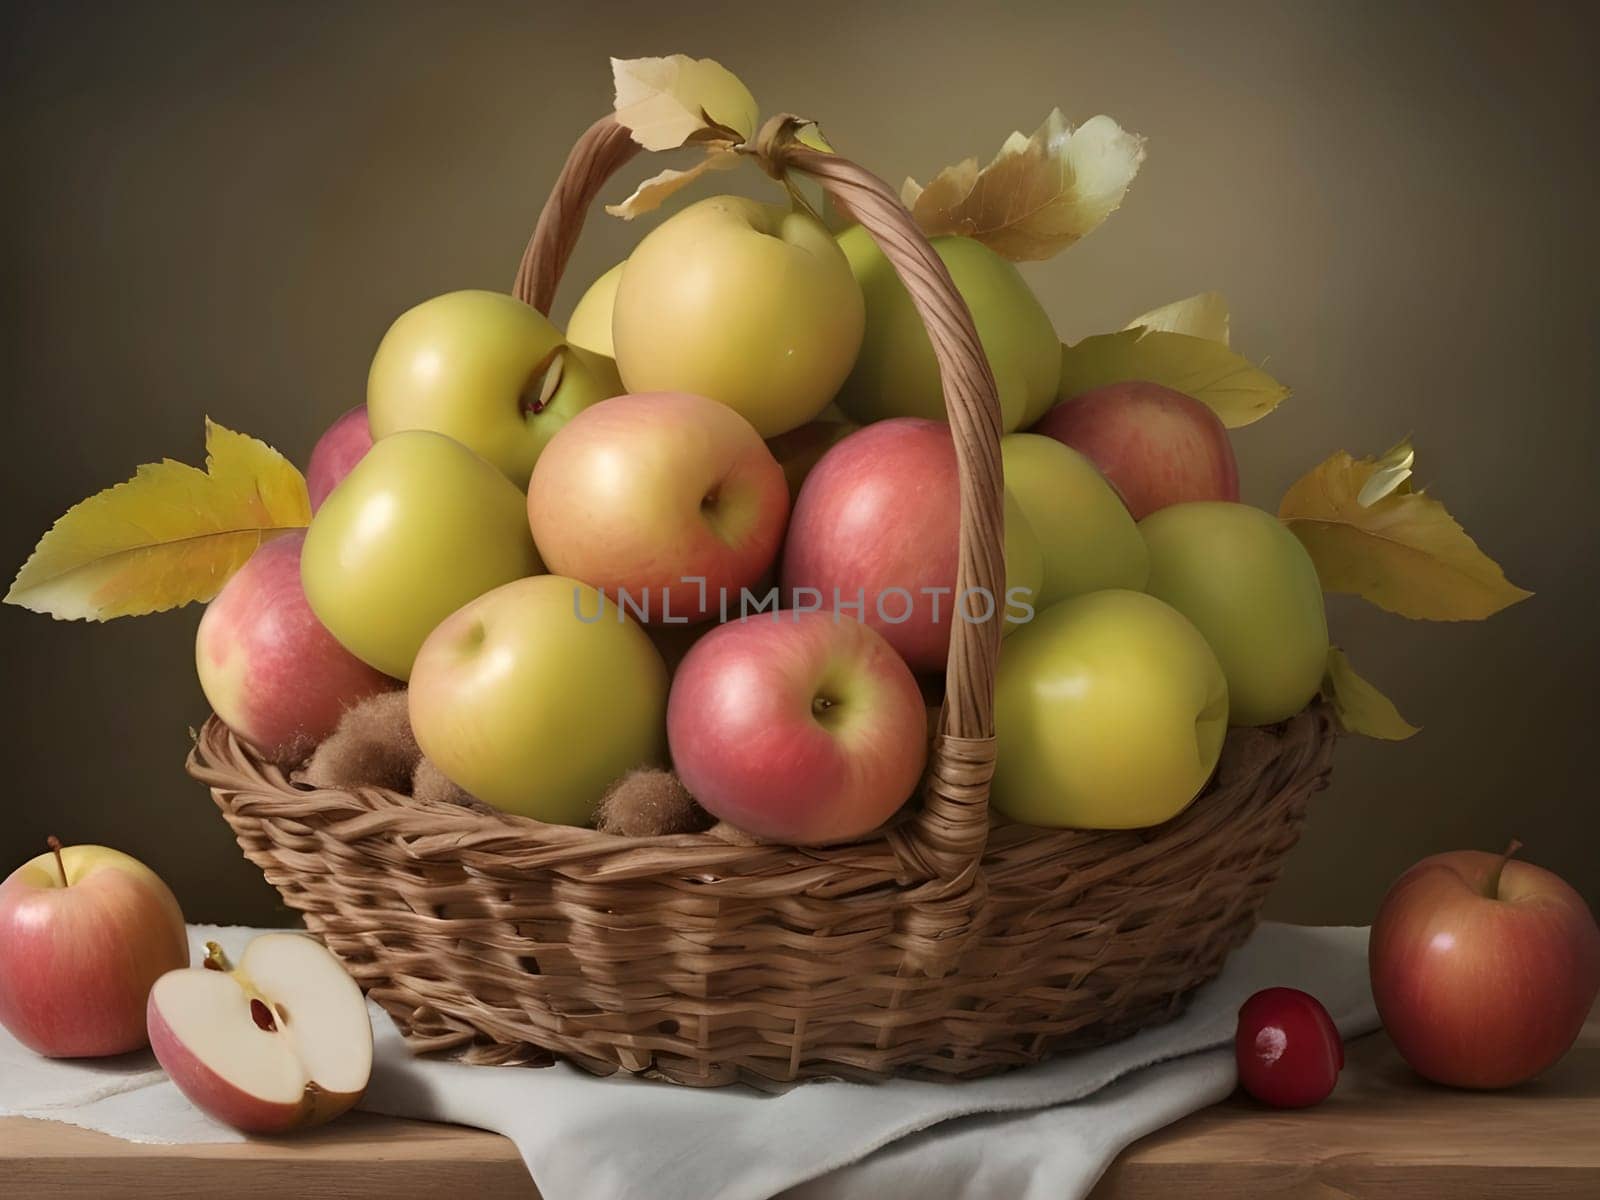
x,y
1288,1049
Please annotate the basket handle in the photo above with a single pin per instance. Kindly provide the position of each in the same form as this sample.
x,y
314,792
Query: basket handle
x,y
945,838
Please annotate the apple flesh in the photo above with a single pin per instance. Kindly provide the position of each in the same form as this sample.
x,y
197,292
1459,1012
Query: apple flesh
x,y
1158,446
878,520
537,695
281,1042
84,933
337,451
750,304
652,494
1088,539
1484,968
1251,588
797,727
418,528
487,370
590,325
268,667
1110,711
896,374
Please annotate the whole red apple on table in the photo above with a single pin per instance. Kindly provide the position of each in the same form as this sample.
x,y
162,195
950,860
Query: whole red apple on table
x,y
644,492
345,443
1287,1048
1484,968
878,521
1158,446
279,1042
269,668
84,933
801,728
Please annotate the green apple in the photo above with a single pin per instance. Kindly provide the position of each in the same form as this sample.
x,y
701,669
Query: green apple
x,y
590,325
1250,587
487,370
896,374
1110,711
750,304
537,695
420,526
1088,538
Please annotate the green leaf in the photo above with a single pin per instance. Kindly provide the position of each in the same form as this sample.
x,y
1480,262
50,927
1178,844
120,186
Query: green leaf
x,y
1236,389
1202,315
1360,707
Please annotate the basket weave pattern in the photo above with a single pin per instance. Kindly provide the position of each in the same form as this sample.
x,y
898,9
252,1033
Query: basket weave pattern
x,y
952,944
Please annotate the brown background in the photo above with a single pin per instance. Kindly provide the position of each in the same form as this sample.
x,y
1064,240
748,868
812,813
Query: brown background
x,y
219,208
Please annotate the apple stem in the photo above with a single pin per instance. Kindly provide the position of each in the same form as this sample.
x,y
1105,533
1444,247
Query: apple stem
x,y
1493,888
55,848
215,959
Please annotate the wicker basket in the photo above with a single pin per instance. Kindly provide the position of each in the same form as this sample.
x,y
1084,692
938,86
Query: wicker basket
x,y
952,944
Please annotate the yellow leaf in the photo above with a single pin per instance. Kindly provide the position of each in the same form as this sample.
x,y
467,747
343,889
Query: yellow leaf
x,y
647,197
170,535
1404,552
1390,473
1361,708
668,102
1039,195
1237,390
1204,315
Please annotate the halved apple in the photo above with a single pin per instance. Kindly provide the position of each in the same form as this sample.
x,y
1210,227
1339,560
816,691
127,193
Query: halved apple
x,y
279,1042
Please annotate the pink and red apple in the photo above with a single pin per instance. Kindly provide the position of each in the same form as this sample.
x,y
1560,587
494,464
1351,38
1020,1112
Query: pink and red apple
x,y
1483,968
345,443
84,933
877,522
1158,446
274,675
668,496
800,728
281,1042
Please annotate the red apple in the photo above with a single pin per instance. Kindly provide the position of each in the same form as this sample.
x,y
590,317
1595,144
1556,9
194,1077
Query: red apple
x,y
281,1042
345,443
1158,446
800,728
1484,969
668,496
1287,1048
84,932
274,675
801,449
877,523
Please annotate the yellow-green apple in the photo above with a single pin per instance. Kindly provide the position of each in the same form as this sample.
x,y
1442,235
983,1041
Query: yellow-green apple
x,y
488,370
1250,587
590,325
797,727
418,528
269,668
345,443
1110,711
750,304
1086,534
1158,446
896,374
537,695
84,933
668,496
801,449
1484,969
876,524
280,1042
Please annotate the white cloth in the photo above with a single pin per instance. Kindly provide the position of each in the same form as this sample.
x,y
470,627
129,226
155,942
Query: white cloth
x,y
1043,1132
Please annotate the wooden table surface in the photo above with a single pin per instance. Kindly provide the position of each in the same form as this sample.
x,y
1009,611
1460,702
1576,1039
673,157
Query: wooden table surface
x,y
1384,1133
